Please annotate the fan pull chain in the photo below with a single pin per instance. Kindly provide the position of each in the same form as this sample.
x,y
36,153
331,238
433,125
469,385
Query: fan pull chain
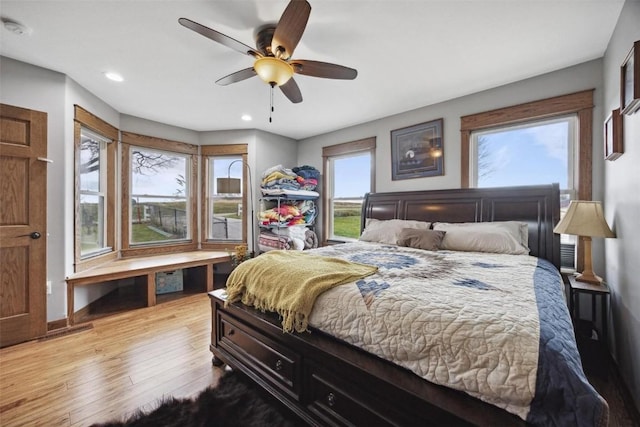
x,y
271,112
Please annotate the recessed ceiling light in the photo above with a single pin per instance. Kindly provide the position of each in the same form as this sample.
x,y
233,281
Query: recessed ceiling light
x,y
246,117
114,76
15,27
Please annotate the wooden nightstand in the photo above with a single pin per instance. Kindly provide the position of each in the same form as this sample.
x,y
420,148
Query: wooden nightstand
x,y
593,350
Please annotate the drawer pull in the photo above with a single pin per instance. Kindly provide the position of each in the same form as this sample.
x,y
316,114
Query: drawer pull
x,y
331,399
279,365
232,331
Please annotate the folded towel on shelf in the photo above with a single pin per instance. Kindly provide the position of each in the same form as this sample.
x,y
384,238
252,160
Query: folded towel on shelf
x,y
280,177
290,194
307,172
310,239
268,241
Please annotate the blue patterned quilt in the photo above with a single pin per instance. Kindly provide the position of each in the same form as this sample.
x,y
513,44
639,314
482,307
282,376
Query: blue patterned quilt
x,y
492,325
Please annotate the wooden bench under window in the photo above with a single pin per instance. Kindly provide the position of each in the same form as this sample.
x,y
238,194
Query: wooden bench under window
x,y
199,266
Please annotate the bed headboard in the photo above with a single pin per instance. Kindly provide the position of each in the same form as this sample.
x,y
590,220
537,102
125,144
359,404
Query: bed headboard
x,y
538,206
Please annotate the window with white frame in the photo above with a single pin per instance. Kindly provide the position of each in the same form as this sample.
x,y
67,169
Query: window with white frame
x,y
538,152
225,210
349,171
579,105
92,183
95,150
225,205
531,153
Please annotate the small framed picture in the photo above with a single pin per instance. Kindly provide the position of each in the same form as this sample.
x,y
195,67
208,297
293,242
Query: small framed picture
x,y
630,81
613,135
417,151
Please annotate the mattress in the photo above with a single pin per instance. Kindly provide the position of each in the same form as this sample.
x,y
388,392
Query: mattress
x,y
494,326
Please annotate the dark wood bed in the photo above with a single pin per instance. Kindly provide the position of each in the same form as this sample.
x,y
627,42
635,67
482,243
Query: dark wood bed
x,y
327,382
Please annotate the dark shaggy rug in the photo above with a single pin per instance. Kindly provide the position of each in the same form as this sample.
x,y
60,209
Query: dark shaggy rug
x,y
235,401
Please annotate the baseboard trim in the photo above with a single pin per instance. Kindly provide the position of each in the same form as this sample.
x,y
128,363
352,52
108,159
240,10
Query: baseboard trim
x,y
66,331
56,324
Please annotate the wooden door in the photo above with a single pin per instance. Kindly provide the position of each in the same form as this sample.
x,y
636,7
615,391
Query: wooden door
x,y
23,234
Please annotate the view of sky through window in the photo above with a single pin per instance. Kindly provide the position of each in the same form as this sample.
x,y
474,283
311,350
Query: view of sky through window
x,y
158,173
524,156
352,176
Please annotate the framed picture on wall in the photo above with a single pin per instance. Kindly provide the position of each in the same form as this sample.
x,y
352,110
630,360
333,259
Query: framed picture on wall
x,y
613,135
630,81
417,151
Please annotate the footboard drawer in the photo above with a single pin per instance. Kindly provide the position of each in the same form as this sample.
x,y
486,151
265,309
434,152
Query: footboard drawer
x,y
273,362
341,403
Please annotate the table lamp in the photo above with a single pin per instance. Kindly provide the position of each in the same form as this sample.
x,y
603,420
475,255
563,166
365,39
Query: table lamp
x,y
585,219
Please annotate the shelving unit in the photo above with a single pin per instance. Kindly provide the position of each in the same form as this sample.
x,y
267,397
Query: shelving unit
x,y
280,213
288,208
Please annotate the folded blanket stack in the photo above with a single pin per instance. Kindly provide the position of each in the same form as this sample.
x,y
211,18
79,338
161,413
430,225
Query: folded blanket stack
x,y
283,215
296,238
308,177
268,241
281,178
299,178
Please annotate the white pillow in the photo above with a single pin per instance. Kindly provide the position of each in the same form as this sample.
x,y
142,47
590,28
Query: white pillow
x,y
504,237
388,231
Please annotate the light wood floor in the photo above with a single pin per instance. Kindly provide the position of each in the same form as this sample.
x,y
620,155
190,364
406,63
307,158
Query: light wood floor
x,y
131,360
125,362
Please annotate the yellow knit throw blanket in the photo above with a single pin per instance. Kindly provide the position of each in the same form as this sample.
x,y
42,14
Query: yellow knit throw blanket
x,y
288,282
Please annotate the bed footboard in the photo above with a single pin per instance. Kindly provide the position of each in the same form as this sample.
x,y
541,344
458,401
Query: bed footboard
x,y
325,382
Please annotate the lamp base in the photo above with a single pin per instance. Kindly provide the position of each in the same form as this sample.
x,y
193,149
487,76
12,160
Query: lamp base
x,y
589,278
587,275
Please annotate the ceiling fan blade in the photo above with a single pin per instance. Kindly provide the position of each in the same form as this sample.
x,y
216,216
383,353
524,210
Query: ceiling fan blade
x,y
290,28
236,77
292,91
217,36
323,69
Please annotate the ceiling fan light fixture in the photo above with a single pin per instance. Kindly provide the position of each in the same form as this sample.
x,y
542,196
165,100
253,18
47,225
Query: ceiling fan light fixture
x,y
273,70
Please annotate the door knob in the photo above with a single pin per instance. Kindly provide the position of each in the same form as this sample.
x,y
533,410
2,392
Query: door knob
x,y
34,235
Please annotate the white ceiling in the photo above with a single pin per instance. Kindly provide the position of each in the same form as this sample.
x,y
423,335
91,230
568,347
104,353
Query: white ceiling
x,y
408,54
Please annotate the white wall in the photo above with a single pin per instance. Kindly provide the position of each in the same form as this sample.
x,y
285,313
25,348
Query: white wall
x,y
565,81
272,150
158,130
622,209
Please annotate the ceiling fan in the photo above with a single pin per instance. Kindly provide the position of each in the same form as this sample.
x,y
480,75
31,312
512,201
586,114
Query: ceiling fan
x,y
274,47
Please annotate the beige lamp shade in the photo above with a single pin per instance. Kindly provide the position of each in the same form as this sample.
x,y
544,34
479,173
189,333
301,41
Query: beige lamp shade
x,y
228,185
584,218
